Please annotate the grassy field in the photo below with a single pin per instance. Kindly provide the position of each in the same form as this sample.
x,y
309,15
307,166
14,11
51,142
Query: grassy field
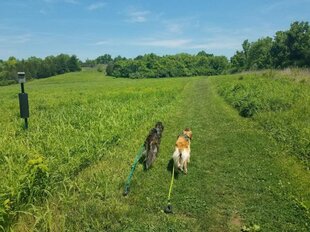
x,y
280,104
67,172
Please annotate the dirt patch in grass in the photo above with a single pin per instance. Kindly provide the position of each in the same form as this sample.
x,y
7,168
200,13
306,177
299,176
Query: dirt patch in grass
x,y
235,222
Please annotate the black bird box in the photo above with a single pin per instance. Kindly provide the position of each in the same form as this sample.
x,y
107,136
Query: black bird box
x,y
23,105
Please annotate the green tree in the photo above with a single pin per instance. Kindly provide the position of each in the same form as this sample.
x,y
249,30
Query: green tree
x,y
105,59
62,63
298,43
238,62
218,65
259,56
279,51
203,53
50,65
73,64
246,48
292,47
89,63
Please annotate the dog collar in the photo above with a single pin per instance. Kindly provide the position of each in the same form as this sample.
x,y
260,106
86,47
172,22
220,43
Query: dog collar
x,y
186,137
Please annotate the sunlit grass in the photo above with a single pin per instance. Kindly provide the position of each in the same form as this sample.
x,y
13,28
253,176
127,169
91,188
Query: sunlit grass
x,y
67,172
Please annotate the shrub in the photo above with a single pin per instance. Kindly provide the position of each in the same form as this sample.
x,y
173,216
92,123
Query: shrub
x,y
33,187
278,104
35,182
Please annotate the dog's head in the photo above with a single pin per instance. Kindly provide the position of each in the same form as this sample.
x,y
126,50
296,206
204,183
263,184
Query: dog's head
x,y
159,127
188,132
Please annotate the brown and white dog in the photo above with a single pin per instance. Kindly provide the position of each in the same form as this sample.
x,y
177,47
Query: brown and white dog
x,y
181,155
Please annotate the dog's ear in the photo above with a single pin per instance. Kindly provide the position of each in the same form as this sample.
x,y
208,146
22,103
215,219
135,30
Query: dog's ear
x,y
160,126
188,132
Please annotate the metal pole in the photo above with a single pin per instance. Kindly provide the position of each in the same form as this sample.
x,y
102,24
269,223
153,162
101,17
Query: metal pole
x,y
23,91
26,123
22,87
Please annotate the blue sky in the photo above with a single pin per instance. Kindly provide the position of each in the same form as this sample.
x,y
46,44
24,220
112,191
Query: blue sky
x,y
89,28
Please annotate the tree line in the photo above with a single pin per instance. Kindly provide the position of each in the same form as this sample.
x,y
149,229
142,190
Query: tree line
x,y
290,48
153,66
37,68
104,59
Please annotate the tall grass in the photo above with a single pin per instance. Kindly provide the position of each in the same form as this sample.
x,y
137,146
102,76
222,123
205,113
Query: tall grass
x,y
277,102
67,171
72,125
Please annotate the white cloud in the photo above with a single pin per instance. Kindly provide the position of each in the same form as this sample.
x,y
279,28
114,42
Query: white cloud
x,y
279,5
237,34
96,6
138,16
102,42
179,25
174,28
170,43
18,39
216,45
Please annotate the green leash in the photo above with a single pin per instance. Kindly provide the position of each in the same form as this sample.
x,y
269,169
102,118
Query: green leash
x,y
168,209
138,156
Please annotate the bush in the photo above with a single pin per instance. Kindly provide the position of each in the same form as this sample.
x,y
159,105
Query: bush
x,y
152,66
101,68
7,82
280,105
33,187
35,183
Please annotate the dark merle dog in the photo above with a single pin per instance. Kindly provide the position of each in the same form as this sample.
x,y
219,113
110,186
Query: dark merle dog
x,y
152,144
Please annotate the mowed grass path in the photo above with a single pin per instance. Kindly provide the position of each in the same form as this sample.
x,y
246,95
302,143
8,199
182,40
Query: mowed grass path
x,y
237,177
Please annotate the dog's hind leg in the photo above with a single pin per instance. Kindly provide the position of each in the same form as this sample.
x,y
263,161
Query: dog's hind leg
x,y
185,158
181,162
189,155
176,159
143,156
151,156
185,167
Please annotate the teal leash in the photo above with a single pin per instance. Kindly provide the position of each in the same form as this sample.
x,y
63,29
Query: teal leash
x,y
133,167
